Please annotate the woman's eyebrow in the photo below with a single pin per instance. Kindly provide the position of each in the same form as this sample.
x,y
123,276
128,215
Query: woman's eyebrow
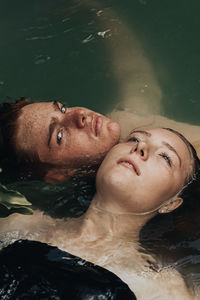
x,y
142,132
174,150
164,143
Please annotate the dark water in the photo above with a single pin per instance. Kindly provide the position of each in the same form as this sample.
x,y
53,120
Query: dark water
x,y
51,50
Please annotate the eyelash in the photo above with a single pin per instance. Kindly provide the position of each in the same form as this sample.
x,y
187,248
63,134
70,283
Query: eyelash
x,y
133,139
166,158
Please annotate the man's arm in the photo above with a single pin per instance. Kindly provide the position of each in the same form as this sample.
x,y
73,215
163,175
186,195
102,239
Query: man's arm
x,y
138,88
139,92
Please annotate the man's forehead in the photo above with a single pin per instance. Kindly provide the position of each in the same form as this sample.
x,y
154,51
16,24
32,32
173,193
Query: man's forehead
x,y
31,126
36,107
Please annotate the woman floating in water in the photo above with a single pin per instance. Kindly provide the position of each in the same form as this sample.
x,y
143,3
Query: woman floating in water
x,y
139,178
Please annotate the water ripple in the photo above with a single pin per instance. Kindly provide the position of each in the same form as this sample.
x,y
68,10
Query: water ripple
x,y
41,59
40,38
88,39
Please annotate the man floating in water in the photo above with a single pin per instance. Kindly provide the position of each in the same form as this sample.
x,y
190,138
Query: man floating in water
x,y
52,141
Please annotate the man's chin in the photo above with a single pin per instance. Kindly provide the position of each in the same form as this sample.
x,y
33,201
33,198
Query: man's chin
x,y
114,129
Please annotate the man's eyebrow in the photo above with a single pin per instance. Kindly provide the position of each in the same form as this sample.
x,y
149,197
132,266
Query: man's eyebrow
x,y
55,105
52,126
142,132
174,150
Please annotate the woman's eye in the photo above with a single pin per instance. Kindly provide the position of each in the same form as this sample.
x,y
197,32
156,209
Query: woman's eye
x,y
59,137
166,158
63,109
133,139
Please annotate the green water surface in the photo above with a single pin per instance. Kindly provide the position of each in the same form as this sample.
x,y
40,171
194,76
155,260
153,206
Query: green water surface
x,y
50,50
43,53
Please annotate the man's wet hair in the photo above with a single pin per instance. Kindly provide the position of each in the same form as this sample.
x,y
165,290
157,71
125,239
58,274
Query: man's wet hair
x,y
13,163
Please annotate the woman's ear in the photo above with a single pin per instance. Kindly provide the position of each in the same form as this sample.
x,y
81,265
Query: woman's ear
x,y
171,205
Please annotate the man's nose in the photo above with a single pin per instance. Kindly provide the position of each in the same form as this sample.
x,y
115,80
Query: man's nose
x,y
80,118
76,118
141,149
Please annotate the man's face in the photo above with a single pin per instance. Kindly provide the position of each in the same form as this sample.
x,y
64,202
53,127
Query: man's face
x,y
64,137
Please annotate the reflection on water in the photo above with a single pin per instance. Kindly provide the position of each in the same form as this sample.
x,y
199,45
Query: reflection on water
x,y
61,51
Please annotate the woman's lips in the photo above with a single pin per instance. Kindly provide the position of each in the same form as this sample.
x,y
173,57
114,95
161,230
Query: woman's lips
x,y
130,164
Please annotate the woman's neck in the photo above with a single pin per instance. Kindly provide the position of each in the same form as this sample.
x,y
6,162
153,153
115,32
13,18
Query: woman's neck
x,y
99,222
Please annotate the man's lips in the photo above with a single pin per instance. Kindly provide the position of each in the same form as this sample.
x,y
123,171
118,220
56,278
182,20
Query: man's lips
x,y
130,164
97,125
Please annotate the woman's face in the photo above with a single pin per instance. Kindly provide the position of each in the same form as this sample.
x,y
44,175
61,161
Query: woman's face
x,y
146,170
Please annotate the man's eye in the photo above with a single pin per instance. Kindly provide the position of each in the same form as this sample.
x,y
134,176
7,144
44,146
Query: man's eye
x,y
59,137
166,158
133,139
63,109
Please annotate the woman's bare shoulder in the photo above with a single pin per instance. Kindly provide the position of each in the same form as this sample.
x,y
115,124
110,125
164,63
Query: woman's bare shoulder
x,y
18,226
17,221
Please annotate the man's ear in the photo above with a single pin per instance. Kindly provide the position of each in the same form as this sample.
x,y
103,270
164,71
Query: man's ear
x,y
55,175
170,206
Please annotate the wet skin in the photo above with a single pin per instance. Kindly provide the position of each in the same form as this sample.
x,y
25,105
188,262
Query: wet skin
x,y
145,171
64,137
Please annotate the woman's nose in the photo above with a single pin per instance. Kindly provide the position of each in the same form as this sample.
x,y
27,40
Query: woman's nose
x,y
141,149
